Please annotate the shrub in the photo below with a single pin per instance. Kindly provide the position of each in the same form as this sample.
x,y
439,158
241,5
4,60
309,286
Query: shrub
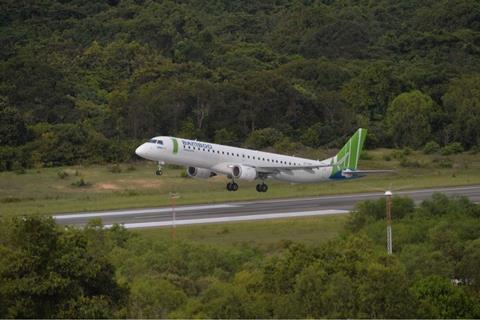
x,y
406,163
397,154
286,145
452,148
443,162
263,138
431,147
115,168
81,183
407,151
62,174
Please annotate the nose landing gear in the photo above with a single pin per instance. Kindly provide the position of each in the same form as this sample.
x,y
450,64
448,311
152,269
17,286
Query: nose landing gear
x,y
262,187
159,171
232,186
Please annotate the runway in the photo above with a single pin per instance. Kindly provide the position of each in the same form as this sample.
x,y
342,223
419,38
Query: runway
x,y
249,210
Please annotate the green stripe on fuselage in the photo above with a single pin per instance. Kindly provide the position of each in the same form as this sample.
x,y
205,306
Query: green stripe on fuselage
x,y
175,146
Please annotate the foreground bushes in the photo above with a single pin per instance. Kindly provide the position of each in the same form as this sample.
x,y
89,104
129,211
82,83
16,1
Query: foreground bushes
x,y
94,272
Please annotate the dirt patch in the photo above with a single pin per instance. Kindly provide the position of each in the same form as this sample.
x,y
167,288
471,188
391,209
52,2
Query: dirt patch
x,y
107,186
141,183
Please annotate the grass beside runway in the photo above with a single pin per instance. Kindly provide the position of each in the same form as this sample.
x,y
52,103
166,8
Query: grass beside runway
x,y
265,235
80,188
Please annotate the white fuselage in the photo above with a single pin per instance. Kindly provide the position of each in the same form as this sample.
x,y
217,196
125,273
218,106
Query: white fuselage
x,y
220,159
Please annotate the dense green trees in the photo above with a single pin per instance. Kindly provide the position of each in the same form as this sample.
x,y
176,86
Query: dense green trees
x,y
48,271
314,71
45,272
409,118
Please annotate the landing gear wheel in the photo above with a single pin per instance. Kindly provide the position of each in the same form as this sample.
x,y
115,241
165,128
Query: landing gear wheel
x,y
232,186
264,187
261,187
159,172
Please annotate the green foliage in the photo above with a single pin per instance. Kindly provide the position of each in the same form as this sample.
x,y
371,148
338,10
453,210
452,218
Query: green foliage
x,y
95,76
80,183
431,147
468,266
439,298
154,298
13,131
286,146
73,273
62,174
263,138
224,136
462,101
409,117
373,89
452,148
46,272
369,211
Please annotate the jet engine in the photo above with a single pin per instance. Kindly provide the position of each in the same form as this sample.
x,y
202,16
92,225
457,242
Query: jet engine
x,y
244,173
199,173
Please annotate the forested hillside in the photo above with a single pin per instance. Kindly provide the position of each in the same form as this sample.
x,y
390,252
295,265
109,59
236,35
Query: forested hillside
x,y
84,81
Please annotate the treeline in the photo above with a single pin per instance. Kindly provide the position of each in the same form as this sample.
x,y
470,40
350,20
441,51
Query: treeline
x,y
92,79
47,271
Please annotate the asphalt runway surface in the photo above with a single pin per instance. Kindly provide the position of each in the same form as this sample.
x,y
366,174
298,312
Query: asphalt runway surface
x,y
249,210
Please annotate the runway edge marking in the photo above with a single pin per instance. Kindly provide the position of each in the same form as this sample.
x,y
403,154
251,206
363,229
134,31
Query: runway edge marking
x,y
232,219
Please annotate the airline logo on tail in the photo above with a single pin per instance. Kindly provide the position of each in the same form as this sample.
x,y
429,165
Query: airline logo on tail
x,y
347,157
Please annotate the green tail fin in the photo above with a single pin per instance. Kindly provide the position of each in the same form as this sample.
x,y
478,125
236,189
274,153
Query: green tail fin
x,y
347,157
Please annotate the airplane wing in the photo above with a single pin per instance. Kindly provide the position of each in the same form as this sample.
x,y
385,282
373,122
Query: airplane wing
x,y
266,170
276,169
372,171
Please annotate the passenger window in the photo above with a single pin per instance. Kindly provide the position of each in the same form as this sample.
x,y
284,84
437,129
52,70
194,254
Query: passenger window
x,y
152,141
160,142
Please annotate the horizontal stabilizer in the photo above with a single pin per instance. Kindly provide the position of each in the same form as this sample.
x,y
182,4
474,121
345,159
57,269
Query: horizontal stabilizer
x,y
347,173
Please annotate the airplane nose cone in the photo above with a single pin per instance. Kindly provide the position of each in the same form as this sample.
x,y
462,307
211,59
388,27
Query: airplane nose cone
x,y
141,151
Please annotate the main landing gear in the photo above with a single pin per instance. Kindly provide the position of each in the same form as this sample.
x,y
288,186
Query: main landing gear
x,y
159,171
232,186
262,187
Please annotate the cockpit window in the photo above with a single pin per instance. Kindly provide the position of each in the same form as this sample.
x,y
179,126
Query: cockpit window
x,y
160,142
152,141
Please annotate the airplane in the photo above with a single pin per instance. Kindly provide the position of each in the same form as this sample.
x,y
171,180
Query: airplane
x,y
204,160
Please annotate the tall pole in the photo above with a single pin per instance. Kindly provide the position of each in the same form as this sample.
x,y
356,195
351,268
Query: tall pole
x,y
388,195
174,197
